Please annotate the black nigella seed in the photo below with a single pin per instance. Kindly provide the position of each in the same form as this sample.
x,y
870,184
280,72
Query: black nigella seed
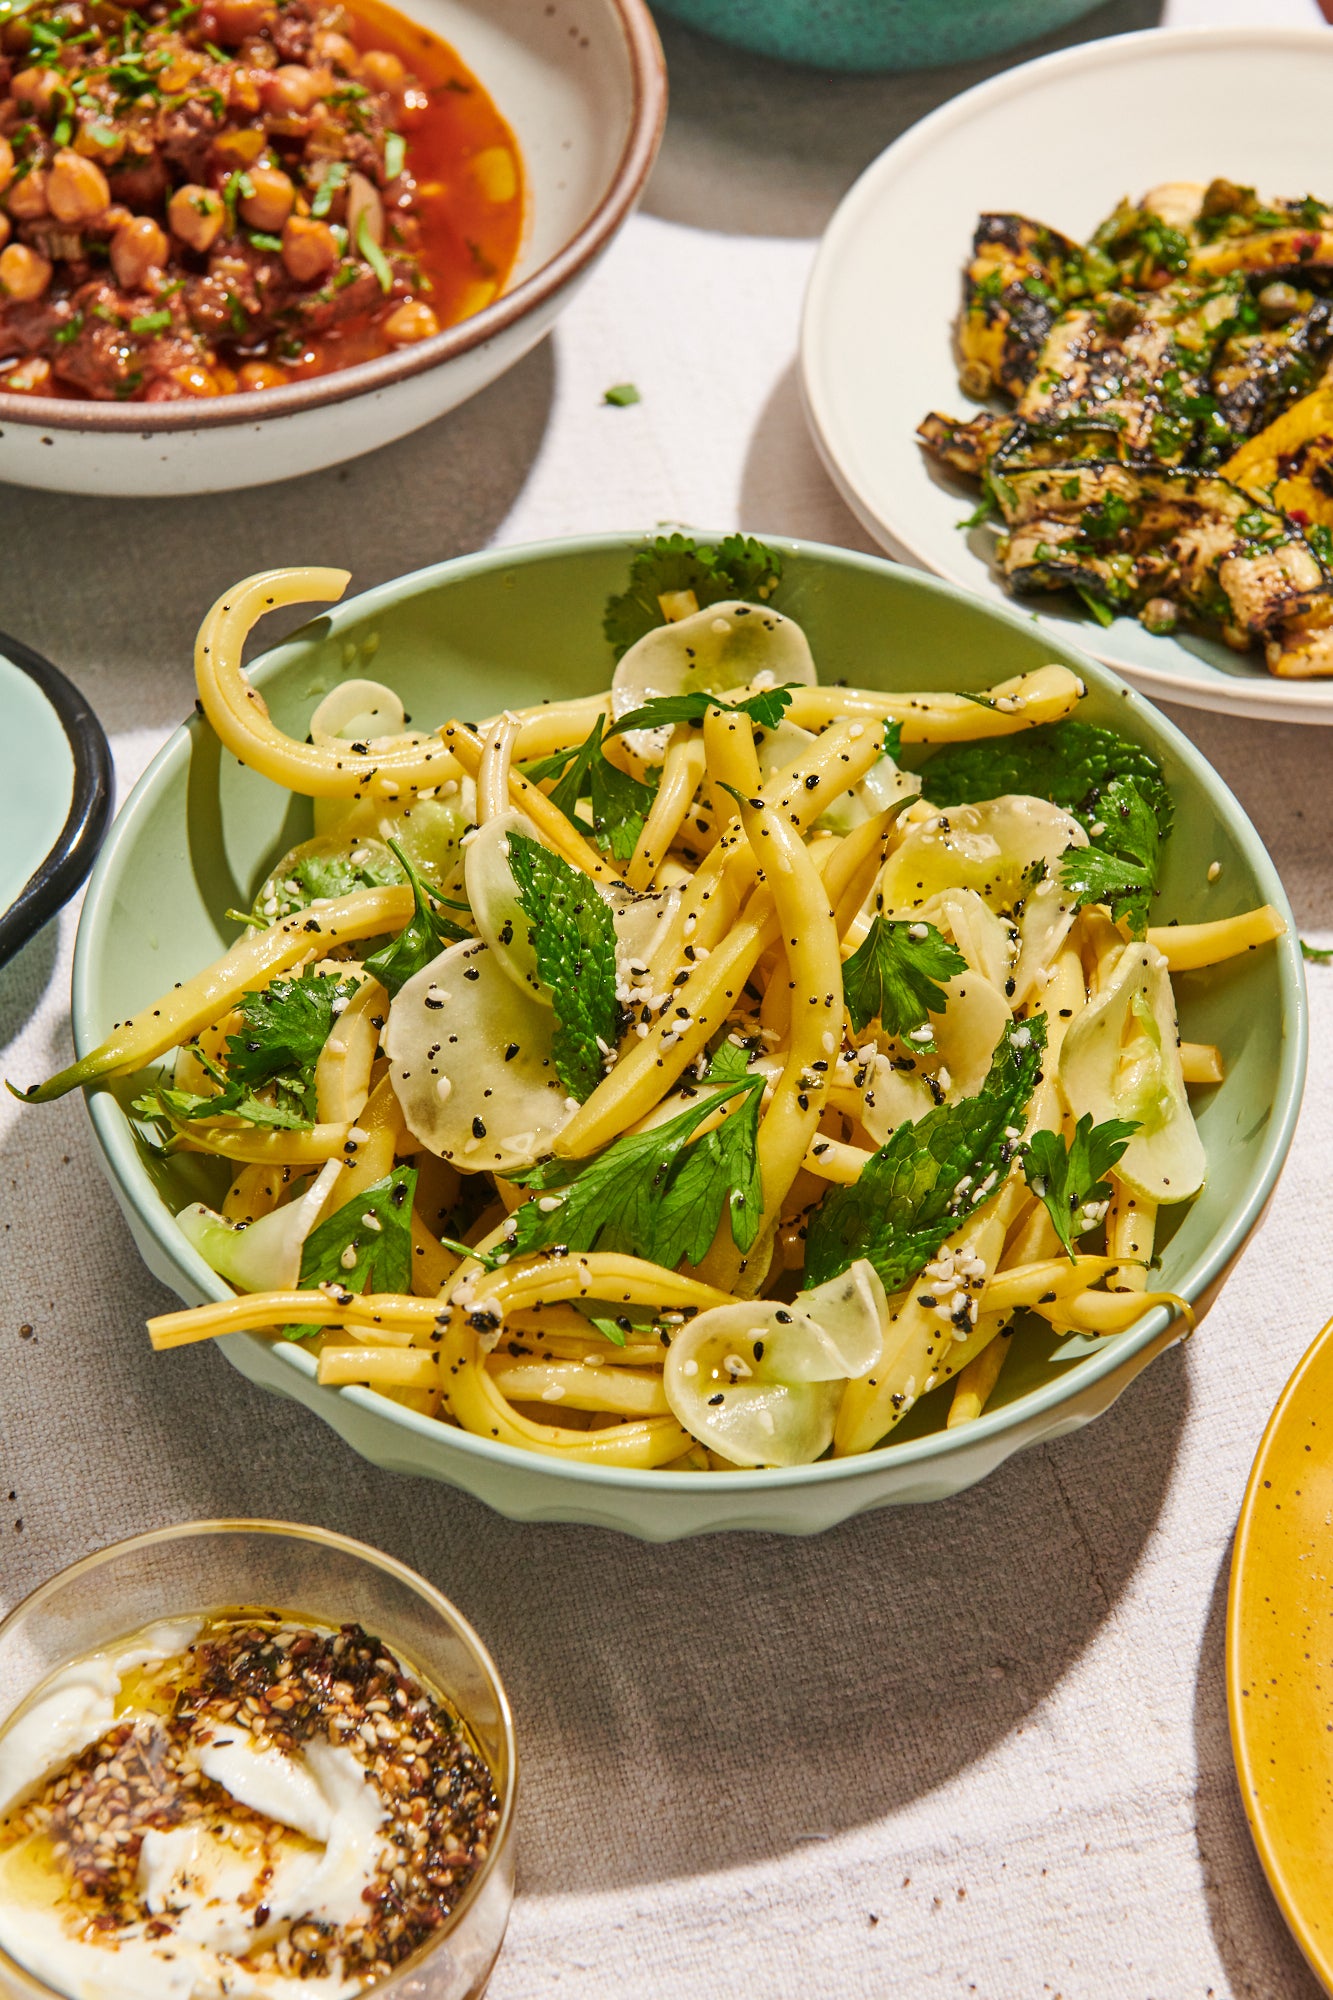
x,y
511,1051
478,1129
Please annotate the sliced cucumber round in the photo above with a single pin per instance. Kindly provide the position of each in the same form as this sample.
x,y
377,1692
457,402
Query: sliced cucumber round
x,y
994,848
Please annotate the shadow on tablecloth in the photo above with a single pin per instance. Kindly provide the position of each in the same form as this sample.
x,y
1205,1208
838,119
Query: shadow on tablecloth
x,y
1252,1941
759,148
106,588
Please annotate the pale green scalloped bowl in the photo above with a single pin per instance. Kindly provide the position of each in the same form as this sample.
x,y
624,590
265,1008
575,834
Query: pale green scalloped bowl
x,y
198,834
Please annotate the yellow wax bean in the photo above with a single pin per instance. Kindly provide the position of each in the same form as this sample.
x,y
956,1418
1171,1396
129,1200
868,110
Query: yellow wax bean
x,y
1188,947
1041,696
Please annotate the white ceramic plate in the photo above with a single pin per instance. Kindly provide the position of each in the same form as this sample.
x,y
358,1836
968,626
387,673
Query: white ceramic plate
x,y
1060,139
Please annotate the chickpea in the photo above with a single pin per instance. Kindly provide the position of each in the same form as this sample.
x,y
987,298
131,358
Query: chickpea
x,y
138,247
31,378
24,273
6,163
4,229
309,248
76,189
269,206
36,89
409,322
26,197
336,49
292,88
382,69
261,375
196,215
233,20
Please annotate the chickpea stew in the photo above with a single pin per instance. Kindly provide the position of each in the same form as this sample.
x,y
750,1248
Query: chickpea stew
x,y
223,195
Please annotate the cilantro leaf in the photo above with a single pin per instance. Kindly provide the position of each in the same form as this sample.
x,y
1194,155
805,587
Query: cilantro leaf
x,y
648,1194
1115,788
574,937
891,976
620,803
366,1245
1067,1177
929,1176
737,567
766,708
422,939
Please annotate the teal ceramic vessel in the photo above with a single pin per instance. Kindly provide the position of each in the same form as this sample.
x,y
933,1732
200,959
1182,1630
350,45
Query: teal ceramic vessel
x,y
876,34
200,832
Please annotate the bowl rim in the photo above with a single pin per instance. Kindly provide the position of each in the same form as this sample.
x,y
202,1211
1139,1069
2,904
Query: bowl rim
x,y
647,121
130,1178
1283,700
364,1552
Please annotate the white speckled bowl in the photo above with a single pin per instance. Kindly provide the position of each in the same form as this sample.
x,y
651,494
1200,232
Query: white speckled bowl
x,y
199,833
582,84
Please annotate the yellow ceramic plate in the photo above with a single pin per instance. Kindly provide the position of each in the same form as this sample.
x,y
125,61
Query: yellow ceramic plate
x,y
1280,1654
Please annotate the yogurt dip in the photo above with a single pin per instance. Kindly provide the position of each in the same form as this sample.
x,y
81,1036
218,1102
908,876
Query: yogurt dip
x,y
234,1808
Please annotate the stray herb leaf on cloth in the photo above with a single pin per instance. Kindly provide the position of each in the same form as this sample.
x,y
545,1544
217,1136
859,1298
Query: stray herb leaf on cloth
x,y
1066,1178
422,938
738,567
1115,788
574,937
929,1176
366,1245
892,976
652,1194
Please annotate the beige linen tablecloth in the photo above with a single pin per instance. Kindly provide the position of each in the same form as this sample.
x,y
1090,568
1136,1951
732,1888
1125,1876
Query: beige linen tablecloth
x,y
970,1749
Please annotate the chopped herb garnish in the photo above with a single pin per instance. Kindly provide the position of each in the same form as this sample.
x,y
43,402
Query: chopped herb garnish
x,y
621,395
395,155
738,567
371,251
261,240
152,322
334,178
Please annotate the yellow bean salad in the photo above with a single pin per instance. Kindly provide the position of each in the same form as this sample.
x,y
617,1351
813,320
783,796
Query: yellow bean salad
x,y
692,1075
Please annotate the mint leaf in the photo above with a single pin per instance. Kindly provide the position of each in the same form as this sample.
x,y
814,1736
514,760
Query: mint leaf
x,y
574,937
1067,1177
366,1245
646,1194
891,977
738,567
925,1181
766,708
422,939
1115,788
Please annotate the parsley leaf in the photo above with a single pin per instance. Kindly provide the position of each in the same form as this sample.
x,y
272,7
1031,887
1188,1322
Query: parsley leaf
x,y
929,1176
1316,954
1065,1177
366,1245
620,803
652,1194
423,938
318,877
621,394
1115,788
1119,866
738,567
574,937
285,1027
766,708
891,976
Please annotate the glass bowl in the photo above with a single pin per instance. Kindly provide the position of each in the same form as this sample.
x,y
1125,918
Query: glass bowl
x,y
206,1566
